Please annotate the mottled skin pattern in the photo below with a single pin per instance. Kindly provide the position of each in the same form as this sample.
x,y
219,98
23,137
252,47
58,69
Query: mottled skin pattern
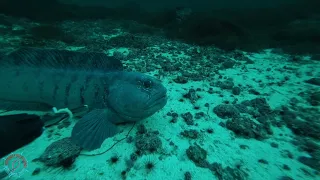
x,y
128,96
135,96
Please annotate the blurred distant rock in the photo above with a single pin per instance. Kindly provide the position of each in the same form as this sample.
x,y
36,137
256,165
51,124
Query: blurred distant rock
x,y
292,26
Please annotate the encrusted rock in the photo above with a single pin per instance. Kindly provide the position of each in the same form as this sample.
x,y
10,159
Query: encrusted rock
x,y
60,153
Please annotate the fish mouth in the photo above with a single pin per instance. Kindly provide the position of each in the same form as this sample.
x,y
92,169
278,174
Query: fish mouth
x,y
148,110
161,99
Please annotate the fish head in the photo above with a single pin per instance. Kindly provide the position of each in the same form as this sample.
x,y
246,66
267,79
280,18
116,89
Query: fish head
x,y
135,96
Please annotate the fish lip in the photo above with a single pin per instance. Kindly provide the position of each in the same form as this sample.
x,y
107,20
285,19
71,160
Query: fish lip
x,y
164,96
161,102
157,101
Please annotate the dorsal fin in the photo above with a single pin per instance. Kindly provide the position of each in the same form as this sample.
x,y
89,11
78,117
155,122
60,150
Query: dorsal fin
x,y
53,58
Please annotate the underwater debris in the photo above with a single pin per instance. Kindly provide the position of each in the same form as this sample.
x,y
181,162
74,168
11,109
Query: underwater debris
x,y
236,90
149,141
227,173
313,81
227,84
225,111
141,129
198,155
188,118
187,176
300,124
192,96
181,80
36,171
245,127
199,115
174,116
314,98
192,134
312,162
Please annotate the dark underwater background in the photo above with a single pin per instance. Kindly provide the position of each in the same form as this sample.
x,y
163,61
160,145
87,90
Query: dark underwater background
x,y
248,25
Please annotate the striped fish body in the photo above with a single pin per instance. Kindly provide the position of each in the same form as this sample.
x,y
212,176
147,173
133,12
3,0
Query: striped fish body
x,y
54,87
42,82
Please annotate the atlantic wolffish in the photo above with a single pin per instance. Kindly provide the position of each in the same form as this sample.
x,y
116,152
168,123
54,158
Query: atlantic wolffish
x,y
33,78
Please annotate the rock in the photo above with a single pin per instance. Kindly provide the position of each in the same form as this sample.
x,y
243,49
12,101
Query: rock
x,y
246,127
197,154
60,153
226,111
314,98
149,141
313,81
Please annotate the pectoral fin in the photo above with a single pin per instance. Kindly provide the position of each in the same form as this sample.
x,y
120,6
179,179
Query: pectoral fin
x,y
92,129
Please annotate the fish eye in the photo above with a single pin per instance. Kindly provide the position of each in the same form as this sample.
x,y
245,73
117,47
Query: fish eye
x,y
147,84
